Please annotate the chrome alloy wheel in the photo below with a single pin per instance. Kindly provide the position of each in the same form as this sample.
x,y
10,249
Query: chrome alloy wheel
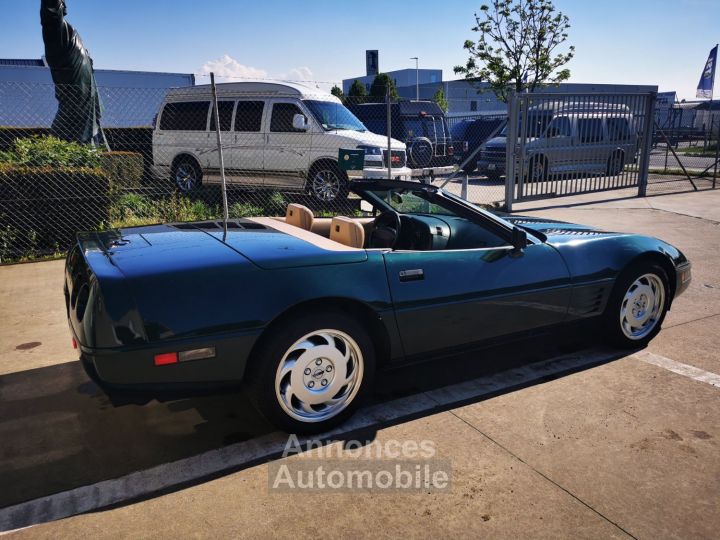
x,y
319,375
642,307
185,177
325,185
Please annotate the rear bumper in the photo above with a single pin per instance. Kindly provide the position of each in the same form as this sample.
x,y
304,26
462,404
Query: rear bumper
x,y
134,369
433,171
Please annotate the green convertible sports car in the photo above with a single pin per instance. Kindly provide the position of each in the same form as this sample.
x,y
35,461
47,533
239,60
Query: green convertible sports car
x,y
305,310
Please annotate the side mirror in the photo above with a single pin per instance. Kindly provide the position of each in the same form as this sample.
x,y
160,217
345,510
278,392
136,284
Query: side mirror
x,y
519,239
300,122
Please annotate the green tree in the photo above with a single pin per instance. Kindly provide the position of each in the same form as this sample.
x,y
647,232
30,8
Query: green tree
x,y
518,47
379,87
357,93
337,92
439,98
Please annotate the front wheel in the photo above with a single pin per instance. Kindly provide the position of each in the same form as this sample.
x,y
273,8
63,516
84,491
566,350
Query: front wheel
x,y
327,183
311,374
637,306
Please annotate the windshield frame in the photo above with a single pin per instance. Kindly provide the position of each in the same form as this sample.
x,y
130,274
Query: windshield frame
x,y
315,106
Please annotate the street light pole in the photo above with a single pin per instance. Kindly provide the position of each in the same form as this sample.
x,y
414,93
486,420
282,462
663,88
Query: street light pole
x,y
417,78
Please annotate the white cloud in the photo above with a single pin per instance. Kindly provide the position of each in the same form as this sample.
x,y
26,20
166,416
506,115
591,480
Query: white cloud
x,y
227,69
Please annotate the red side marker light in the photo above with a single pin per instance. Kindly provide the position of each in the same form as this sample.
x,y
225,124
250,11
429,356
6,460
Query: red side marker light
x,y
74,343
166,358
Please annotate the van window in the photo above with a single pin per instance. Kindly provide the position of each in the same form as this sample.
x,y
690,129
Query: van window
x,y
225,108
559,127
248,116
618,129
282,117
185,116
590,130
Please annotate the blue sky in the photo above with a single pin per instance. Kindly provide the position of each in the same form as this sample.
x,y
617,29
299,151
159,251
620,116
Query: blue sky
x,y
662,42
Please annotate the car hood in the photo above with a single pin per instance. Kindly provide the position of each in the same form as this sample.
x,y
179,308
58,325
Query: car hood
x,y
559,232
368,138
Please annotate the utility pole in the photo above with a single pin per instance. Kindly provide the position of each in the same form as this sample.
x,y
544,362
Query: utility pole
x,y
417,78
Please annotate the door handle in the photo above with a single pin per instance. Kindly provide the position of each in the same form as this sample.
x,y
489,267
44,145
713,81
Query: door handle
x,y
416,274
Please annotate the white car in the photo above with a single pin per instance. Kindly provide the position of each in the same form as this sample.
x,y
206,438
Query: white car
x,y
274,135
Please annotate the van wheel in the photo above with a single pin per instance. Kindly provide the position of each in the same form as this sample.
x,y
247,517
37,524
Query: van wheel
x,y
470,168
537,170
186,174
615,164
327,183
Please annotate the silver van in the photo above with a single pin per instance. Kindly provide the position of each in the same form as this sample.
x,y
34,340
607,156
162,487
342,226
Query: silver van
x,y
564,139
274,135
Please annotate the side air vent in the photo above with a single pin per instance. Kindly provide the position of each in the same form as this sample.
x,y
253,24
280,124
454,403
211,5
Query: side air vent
x,y
571,232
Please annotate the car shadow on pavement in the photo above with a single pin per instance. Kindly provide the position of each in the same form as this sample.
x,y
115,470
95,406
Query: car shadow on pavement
x,y
59,431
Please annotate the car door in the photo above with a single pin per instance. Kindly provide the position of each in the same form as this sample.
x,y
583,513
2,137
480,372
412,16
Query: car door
x,y
455,298
592,149
287,152
247,154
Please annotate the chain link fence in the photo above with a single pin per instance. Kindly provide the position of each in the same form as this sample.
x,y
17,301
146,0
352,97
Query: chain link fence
x,y
280,145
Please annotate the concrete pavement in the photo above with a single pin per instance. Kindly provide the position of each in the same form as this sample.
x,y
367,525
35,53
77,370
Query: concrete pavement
x,y
625,448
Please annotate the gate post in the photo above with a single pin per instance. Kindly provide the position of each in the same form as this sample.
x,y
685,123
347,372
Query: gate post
x,y
648,128
510,151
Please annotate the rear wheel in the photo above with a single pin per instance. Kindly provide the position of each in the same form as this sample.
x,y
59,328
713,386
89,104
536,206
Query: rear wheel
x,y
615,164
186,174
470,168
313,373
637,306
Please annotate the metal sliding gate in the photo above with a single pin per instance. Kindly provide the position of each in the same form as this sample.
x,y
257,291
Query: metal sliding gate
x,y
566,144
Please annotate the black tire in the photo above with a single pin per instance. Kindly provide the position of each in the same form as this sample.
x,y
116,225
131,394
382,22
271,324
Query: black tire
x,y
327,183
470,168
264,369
613,317
537,170
615,164
493,177
186,174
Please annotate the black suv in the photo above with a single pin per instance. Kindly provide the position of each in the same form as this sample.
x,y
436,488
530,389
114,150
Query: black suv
x,y
421,125
469,134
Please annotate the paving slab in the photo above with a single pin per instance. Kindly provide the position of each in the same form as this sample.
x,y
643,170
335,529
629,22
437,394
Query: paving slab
x,y
492,495
639,444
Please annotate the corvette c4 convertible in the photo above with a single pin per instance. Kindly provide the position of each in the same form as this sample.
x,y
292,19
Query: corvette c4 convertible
x,y
303,311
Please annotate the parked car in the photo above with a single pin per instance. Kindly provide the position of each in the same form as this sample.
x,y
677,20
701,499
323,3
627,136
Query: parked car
x,y
569,138
469,134
280,135
305,310
421,125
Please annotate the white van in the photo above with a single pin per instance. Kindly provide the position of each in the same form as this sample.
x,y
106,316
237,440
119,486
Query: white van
x,y
274,135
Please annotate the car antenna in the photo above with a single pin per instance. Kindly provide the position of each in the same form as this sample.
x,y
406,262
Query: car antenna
x,y
220,155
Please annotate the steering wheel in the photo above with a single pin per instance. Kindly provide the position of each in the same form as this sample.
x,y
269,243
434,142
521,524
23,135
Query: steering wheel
x,y
386,230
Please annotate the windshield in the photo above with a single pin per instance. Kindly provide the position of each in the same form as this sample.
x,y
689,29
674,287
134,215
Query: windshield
x,y
426,126
407,201
333,116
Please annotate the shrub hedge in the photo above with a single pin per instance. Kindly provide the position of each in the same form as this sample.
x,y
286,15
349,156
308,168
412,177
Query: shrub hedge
x,y
41,208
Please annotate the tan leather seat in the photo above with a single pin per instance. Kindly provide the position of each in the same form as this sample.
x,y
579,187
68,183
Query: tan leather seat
x,y
347,231
300,216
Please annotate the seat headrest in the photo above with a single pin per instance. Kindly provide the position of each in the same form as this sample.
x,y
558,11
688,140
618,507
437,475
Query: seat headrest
x,y
300,216
347,231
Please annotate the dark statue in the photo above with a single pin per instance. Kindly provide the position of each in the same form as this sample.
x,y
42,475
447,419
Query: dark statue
x,y
79,111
